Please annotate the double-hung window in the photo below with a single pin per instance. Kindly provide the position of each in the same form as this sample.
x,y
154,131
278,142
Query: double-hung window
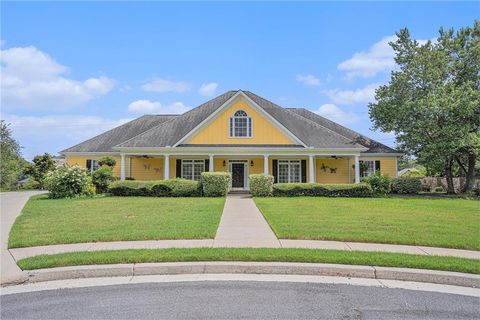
x,y
240,125
289,171
92,165
369,167
192,169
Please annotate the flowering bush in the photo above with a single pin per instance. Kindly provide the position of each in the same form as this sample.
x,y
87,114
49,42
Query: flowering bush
x,y
101,178
68,182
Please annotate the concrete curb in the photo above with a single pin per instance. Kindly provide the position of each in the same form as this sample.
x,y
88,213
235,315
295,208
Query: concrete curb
x,y
282,268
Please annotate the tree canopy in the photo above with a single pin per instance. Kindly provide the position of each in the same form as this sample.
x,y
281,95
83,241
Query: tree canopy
x,y
432,102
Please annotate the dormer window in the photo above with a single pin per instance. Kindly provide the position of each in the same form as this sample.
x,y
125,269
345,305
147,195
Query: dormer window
x,y
240,125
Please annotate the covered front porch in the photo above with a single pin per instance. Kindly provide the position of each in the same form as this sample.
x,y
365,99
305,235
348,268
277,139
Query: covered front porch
x,y
286,167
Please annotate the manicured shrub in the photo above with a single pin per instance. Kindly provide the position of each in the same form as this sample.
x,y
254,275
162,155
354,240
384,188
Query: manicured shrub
x,y
215,184
101,178
107,161
406,185
183,187
438,189
163,188
322,190
68,182
261,185
31,184
131,188
381,185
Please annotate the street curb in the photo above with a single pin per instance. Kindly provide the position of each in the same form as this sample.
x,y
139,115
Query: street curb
x,y
285,268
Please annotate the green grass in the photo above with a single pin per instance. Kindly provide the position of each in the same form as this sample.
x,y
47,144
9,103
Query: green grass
x,y
51,221
250,254
451,223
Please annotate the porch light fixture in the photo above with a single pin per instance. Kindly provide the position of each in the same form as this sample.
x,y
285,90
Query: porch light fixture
x,y
251,163
224,163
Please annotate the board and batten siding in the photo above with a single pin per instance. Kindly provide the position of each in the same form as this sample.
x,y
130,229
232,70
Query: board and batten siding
x,y
218,131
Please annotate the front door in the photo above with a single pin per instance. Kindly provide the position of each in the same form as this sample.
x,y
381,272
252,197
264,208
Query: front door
x,y
238,175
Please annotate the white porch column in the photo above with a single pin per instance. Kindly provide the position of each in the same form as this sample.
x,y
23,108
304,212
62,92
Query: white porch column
x,y
122,166
166,167
210,163
311,171
357,169
265,164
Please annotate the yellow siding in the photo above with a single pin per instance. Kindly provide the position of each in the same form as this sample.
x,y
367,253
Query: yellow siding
x,y
387,165
145,168
217,132
82,162
326,175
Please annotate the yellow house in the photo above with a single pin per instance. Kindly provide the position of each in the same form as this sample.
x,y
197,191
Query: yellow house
x,y
241,133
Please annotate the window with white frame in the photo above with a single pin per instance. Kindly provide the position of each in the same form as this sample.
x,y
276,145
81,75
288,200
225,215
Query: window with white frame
x,y
369,167
289,171
240,125
192,169
92,165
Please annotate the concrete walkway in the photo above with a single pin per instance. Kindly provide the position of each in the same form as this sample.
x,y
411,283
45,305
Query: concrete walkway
x,y
243,225
22,253
11,204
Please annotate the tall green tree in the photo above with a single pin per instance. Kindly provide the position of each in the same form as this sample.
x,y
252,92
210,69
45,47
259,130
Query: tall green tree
x,y
432,102
42,164
11,161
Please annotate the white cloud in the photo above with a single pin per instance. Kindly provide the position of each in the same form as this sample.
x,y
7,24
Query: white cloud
x,y
348,97
41,134
163,85
147,106
336,114
308,80
30,78
379,58
208,89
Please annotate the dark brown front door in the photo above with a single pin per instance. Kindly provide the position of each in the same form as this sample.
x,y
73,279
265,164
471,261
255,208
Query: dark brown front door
x,y
238,175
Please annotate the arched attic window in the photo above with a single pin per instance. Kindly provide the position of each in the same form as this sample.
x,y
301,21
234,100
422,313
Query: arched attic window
x,y
240,125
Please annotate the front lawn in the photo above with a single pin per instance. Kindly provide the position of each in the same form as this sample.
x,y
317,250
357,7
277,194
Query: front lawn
x,y
53,221
451,223
249,254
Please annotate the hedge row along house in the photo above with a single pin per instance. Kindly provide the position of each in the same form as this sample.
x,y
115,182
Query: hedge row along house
x,y
242,133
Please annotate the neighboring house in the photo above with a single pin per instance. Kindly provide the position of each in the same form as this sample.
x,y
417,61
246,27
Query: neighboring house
x,y
408,171
241,133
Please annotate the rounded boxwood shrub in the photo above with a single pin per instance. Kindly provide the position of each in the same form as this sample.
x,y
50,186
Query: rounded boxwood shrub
x,y
101,178
215,184
406,185
261,185
381,185
183,187
69,182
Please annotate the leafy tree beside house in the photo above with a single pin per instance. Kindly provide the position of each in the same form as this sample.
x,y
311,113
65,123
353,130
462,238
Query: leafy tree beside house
x,y
432,101
42,165
11,161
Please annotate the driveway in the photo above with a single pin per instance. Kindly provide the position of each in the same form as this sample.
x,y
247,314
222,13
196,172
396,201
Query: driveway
x,y
11,204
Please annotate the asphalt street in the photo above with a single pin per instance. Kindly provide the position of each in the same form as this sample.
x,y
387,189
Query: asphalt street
x,y
238,299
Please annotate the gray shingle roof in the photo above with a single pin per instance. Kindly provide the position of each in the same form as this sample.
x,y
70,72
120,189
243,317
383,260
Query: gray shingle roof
x,y
161,131
372,145
169,133
106,141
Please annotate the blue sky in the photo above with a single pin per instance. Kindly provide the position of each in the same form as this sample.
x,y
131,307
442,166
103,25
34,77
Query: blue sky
x,y
73,70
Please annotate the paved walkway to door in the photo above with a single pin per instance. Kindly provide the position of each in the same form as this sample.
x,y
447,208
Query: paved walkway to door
x,y
243,225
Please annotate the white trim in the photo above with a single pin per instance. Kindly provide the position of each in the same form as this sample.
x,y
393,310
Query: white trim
x,y
214,114
193,167
166,167
122,166
364,154
311,172
357,169
210,163
266,161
